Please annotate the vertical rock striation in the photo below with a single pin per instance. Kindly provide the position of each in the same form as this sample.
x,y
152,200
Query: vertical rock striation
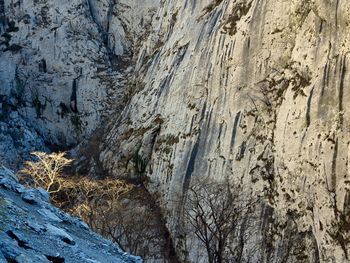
x,y
63,68
254,90
248,89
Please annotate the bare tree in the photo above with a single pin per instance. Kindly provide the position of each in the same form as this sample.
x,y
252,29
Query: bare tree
x,y
136,224
216,213
114,208
46,171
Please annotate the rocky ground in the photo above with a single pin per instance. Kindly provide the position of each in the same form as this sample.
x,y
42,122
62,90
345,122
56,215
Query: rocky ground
x,y
32,230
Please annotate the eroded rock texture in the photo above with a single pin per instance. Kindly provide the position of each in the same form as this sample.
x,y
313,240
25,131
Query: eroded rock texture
x,y
254,90
248,89
64,66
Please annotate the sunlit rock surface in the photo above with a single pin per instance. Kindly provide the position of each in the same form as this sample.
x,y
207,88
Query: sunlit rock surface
x,y
253,90
64,65
250,89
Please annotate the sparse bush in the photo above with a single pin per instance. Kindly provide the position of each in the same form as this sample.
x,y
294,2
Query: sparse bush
x,y
93,200
79,195
114,208
46,171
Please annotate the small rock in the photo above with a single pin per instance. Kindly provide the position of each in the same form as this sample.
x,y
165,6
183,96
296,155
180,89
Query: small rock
x,y
63,216
135,259
9,249
41,259
7,173
57,258
59,232
19,238
13,101
24,259
29,197
91,260
20,188
34,196
6,183
14,208
81,223
49,215
14,114
44,194
36,227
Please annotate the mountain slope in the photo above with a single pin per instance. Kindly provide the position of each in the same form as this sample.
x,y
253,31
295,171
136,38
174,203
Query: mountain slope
x,y
33,230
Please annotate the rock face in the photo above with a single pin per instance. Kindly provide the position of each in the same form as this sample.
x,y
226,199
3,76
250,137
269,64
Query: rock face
x,y
247,89
253,90
64,67
33,230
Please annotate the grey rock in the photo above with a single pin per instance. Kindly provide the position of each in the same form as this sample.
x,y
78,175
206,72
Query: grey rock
x,y
9,249
250,90
30,196
80,223
76,76
45,235
20,188
7,173
19,238
35,196
49,216
2,258
58,232
253,91
36,227
6,183
45,196
17,141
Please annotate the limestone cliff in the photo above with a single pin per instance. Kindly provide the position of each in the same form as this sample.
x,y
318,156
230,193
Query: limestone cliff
x,y
250,89
64,68
254,90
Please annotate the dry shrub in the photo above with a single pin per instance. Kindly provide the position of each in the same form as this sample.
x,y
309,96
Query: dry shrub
x,y
93,200
46,171
79,195
111,207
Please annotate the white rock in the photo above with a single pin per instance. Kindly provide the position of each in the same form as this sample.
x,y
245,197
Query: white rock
x,y
49,216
